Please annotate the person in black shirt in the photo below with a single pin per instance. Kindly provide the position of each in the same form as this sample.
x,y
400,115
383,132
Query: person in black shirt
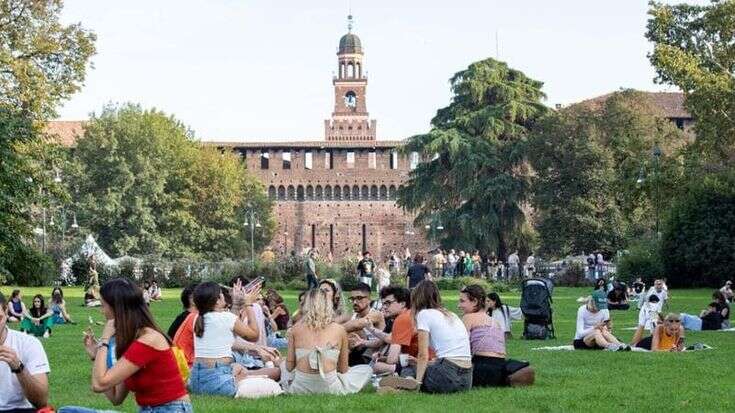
x,y
617,299
722,307
365,269
418,271
188,304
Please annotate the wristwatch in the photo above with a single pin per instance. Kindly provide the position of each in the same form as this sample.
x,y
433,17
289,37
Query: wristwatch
x,y
19,369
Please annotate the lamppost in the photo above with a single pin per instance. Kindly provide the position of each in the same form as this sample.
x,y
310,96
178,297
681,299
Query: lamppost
x,y
251,222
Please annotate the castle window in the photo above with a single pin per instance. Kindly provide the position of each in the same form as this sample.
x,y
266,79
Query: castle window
x,y
308,159
272,192
328,192
286,159
350,159
264,158
393,159
374,192
365,192
337,192
281,192
309,193
392,194
372,160
291,193
383,192
414,160
328,160
319,193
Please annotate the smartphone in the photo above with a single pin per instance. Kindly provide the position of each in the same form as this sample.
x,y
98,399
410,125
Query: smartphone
x,y
254,284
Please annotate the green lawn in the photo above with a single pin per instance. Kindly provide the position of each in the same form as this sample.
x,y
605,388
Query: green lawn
x,y
565,381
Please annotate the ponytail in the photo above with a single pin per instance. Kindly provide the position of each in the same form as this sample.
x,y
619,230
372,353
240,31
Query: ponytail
x,y
199,324
205,297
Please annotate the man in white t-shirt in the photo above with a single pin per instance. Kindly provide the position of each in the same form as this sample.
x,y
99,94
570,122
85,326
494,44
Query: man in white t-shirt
x,y
659,290
23,368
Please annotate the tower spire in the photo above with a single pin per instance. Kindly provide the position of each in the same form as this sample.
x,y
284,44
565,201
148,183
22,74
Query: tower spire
x,y
349,22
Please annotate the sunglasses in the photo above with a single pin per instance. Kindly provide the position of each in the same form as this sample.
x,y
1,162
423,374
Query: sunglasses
x,y
358,298
325,290
386,303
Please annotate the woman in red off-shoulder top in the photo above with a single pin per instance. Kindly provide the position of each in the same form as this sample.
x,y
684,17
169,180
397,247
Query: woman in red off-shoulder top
x,y
146,364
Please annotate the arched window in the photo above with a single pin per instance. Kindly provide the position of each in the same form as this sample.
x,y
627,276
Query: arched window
x,y
350,70
318,194
383,192
281,192
346,192
358,70
291,193
374,192
309,193
337,192
365,192
300,192
272,192
328,192
355,192
392,193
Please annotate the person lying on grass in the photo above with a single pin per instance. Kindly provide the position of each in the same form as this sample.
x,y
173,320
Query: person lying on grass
x,y
24,369
709,319
668,336
214,370
487,343
318,351
146,364
593,329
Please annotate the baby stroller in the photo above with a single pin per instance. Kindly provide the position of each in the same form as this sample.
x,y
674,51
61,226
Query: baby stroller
x,y
536,308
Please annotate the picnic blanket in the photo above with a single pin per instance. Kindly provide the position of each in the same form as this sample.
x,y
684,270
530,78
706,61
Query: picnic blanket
x,y
696,347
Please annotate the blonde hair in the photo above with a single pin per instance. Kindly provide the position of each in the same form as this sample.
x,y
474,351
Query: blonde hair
x,y
317,310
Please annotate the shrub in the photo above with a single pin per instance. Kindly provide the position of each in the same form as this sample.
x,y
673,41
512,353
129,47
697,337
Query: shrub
x,y
643,259
298,285
32,268
699,233
573,275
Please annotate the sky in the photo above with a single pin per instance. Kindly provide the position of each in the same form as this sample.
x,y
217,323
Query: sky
x,y
242,70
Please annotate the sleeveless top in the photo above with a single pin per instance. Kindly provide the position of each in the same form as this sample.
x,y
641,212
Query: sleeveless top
x,y
17,306
487,338
56,309
665,341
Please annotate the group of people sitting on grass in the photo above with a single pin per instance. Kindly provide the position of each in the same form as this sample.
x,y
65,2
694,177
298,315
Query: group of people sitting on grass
x,y
38,319
594,325
225,343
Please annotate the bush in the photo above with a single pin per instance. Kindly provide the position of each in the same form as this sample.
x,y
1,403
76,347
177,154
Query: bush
x,y
699,233
643,259
573,275
31,268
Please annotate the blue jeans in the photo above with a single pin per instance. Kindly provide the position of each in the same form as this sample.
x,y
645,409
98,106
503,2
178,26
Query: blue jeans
x,y
691,322
177,406
217,380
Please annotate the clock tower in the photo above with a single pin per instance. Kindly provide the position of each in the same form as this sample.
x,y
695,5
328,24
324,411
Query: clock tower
x,y
350,120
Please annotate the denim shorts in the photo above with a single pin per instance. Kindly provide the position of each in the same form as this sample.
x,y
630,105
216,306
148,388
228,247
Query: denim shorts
x,y
176,406
443,376
217,380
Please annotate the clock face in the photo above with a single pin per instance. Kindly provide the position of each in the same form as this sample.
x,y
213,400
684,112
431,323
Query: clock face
x,y
350,99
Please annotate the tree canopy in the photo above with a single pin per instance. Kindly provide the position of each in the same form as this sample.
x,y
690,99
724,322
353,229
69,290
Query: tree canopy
x,y
475,180
146,187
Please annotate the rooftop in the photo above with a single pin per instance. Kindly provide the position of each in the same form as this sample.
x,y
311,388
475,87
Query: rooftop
x,y
671,103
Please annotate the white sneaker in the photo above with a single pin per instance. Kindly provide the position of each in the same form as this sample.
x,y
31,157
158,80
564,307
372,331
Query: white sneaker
x,y
613,347
46,334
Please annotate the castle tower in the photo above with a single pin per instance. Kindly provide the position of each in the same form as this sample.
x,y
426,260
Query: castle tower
x,y
350,120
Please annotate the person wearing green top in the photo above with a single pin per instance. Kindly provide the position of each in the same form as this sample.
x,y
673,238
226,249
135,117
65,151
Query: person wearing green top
x,y
468,265
599,295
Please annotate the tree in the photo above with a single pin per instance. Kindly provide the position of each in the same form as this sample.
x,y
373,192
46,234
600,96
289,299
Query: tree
x,y
476,179
148,188
573,185
596,184
699,233
693,49
42,63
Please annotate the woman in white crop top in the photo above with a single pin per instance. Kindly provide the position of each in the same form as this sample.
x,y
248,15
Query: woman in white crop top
x,y
214,370
444,332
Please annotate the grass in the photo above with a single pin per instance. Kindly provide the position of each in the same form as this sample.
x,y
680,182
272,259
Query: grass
x,y
566,381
